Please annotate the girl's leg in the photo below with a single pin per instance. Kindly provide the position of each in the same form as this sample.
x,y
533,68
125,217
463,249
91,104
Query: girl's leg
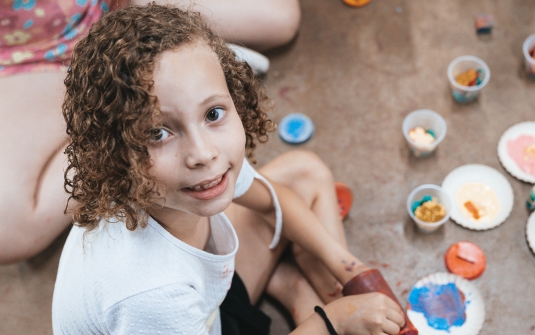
x,y
290,287
32,138
261,270
307,175
259,24
255,262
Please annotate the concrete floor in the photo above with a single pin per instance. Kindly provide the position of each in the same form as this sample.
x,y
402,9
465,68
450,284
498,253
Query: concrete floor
x,y
357,73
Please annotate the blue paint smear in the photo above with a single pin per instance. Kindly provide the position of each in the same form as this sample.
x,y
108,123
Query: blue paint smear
x,y
442,305
295,128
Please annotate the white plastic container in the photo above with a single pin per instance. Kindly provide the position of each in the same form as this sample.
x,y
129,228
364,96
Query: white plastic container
x,y
427,119
461,93
434,191
528,45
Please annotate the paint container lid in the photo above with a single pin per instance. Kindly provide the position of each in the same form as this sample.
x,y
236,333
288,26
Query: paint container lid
x,y
356,3
296,128
345,198
466,260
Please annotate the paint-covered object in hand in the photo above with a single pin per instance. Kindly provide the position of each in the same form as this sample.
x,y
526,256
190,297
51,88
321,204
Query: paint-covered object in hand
x,y
372,281
443,305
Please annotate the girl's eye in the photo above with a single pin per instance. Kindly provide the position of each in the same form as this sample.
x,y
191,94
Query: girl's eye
x,y
159,134
215,114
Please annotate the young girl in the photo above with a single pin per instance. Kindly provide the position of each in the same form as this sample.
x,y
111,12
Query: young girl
x,y
36,41
160,116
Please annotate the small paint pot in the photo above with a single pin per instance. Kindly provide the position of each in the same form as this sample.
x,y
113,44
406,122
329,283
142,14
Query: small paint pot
x,y
430,190
465,259
356,3
345,198
466,94
529,61
428,120
296,128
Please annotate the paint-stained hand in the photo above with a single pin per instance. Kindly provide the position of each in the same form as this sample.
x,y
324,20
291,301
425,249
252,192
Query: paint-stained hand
x,y
365,314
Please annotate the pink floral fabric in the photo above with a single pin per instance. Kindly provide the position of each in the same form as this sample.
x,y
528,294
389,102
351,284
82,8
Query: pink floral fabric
x,y
39,35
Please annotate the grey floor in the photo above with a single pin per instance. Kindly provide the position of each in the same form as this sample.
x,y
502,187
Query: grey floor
x,y
357,73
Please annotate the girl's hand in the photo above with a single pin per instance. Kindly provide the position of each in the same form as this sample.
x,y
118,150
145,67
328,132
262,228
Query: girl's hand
x,y
365,314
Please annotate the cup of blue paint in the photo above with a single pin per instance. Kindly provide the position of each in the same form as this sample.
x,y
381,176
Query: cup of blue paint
x,y
296,128
422,193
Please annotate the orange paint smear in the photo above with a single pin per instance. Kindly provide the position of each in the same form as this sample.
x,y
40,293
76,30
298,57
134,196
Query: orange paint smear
x,y
472,209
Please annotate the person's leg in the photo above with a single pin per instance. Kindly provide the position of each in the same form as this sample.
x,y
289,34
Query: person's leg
x,y
261,269
32,138
255,262
260,24
290,287
308,176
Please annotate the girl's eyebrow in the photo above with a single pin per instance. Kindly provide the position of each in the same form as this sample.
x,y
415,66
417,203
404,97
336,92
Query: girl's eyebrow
x,y
214,97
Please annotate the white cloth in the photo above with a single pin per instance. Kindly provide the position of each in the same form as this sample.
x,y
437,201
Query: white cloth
x,y
116,281
244,182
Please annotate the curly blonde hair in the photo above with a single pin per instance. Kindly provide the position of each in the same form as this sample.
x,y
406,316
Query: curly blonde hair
x,y
110,111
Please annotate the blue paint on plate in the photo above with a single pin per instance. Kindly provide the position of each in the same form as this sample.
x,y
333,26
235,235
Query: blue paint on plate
x,y
296,128
443,306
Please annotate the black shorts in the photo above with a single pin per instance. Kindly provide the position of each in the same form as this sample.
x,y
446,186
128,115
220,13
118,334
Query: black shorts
x,y
238,316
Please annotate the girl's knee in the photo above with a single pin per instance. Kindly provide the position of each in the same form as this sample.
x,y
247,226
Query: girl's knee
x,y
284,18
311,166
289,21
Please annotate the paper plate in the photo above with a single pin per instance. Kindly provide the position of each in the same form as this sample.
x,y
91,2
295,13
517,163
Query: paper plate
x,y
476,173
530,231
523,128
440,283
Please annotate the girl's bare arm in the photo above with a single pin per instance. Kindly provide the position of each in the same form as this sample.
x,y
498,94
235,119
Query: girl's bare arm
x,y
302,227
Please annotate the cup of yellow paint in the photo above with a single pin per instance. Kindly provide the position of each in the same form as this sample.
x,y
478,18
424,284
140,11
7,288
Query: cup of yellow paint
x,y
432,123
420,193
459,66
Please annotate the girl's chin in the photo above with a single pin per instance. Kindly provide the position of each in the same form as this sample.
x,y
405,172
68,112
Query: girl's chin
x,y
214,208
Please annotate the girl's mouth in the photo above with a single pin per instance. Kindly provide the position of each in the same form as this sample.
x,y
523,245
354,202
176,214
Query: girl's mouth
x,y
208,190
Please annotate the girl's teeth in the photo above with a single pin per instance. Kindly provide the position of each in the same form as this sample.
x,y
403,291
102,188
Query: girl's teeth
x,y
206,186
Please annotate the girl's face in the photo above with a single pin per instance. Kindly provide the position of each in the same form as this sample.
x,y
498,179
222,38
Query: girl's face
x,y
199,150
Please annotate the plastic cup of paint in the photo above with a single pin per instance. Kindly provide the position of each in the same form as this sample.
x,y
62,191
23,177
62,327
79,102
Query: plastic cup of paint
x,y
528,46
432,190
465,94
429,120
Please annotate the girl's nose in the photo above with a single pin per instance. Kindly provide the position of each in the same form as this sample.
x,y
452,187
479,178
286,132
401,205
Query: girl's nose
x,y
201,152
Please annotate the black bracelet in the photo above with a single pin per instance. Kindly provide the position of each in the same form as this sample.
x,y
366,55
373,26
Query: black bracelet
x,y
328,323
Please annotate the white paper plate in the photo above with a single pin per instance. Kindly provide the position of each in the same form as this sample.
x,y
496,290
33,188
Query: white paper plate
x,y
530,231
476,173
523,128
474,306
